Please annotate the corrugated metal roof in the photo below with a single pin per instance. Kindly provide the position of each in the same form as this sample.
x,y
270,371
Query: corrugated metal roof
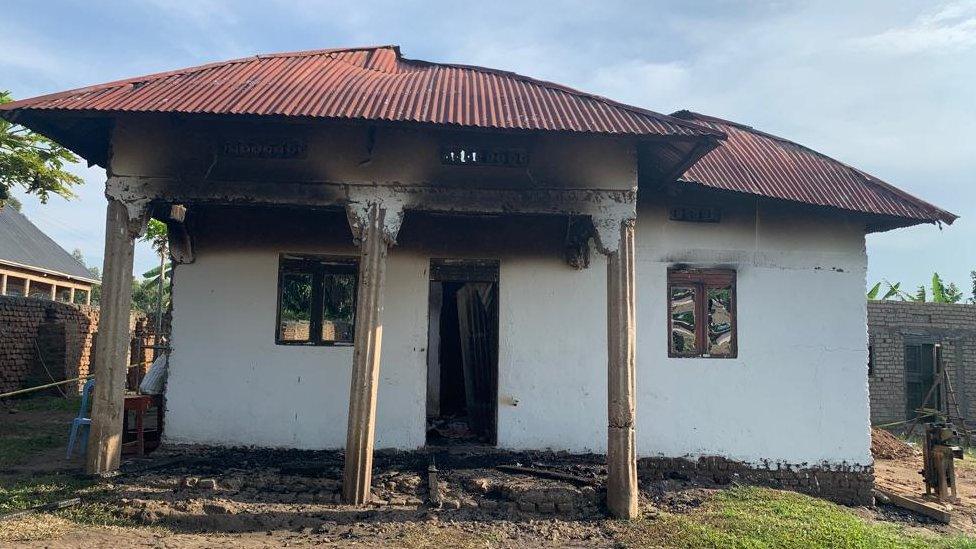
x,y
23,244
367,84
755,162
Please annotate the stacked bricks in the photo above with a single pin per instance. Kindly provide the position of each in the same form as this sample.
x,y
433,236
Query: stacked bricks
x,y
33,330
845,484
894,324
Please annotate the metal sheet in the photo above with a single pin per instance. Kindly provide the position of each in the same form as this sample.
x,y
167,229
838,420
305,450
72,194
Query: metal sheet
x,y
755,162
367,84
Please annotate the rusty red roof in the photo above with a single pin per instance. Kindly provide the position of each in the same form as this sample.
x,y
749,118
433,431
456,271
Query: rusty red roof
x,y
375,84
755,162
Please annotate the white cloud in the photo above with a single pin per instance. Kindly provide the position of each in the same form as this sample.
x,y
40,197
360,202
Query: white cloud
x,y
951,28
24,52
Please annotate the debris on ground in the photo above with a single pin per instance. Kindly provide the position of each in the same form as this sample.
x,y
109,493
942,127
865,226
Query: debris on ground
x,y
885,445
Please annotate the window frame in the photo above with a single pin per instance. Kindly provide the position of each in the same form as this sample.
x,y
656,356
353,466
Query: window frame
x,y
702,280
317,266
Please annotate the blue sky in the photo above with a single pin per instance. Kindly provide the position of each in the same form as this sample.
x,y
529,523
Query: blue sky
x,y
889,87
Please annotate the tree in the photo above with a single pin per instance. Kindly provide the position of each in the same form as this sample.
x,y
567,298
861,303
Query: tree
x,y
33,162
12,202
972,276
157,234
96,289
940,291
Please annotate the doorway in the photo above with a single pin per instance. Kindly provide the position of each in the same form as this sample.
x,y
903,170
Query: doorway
x,y
462,352
919,377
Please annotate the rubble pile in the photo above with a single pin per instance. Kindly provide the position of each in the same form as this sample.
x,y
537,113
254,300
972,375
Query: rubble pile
x,y
885,445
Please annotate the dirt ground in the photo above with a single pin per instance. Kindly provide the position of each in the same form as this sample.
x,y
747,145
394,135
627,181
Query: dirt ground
x,y
901,476
207,497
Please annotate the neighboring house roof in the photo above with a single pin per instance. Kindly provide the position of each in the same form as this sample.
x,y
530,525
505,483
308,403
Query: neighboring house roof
x,y
373,83
23,245
754,162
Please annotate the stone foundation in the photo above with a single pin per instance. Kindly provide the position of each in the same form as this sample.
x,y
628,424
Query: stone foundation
x,y
846,484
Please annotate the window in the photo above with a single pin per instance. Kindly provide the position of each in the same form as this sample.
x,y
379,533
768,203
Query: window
x,y
870,360
316,300
701,313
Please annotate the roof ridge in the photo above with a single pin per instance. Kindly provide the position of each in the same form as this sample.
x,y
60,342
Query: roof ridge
x,y
573,91
183,71
868,178
328,51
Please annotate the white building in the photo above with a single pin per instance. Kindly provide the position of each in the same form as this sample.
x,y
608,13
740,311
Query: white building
x,y
473,248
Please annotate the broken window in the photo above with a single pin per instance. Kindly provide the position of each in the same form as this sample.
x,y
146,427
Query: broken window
x,y
701,313
316,300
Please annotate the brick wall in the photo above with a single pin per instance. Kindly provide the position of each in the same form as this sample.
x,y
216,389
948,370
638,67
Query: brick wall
x,y
38,333
850,485
892,325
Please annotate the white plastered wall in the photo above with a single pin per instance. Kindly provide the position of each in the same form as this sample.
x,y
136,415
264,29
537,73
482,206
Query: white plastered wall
x,y
230,384
797,393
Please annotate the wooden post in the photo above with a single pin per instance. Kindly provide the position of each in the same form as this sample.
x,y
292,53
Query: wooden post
x,y
71,295
3,283
372,228
621,386
111,360
88,296
26,287
54,291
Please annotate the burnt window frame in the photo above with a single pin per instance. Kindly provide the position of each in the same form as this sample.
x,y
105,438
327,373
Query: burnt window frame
x,y
702,280
317,266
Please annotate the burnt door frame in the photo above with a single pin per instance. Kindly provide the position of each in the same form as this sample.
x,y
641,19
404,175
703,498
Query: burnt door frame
x,y
456,270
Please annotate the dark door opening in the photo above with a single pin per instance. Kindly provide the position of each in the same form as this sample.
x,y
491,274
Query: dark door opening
x,y
919,378
462,352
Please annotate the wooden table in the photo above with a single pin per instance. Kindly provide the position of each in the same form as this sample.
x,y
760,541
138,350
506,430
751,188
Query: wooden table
x,y
138,405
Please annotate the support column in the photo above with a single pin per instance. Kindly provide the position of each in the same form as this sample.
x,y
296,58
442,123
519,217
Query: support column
x,y
88,296
27,286
71,295
375,228
54,291
621,374
3,283
105,440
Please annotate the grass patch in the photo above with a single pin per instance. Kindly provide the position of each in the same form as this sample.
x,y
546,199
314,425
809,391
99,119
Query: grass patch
x,y
45,403
25,491
758,517
426,536
19,446
41,423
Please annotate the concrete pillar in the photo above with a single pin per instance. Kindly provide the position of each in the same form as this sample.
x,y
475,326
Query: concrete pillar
x,y
111,360
88,296
376,229
621,374
71,295
54,291
26,287
3,283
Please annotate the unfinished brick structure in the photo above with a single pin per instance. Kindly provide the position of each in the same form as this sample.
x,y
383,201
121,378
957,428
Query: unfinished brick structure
x,y
41,339
32,331
901,335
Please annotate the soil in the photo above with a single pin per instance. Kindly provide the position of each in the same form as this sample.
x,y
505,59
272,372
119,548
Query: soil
x,y
885,445
902,477
205,497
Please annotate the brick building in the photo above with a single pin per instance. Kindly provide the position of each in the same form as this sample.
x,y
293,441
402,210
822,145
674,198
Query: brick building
x,y
902,338
34,265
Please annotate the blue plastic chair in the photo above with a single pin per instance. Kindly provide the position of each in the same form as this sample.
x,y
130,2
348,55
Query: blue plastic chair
x,y
81,423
